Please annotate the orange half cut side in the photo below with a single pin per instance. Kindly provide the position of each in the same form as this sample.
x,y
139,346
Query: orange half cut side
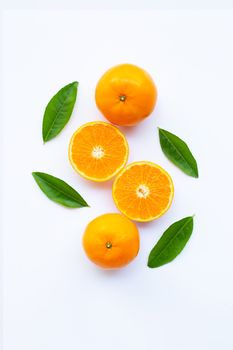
x,y
143,191
98,151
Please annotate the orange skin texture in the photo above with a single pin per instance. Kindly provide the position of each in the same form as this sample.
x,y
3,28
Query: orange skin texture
x,y
132,84
117,231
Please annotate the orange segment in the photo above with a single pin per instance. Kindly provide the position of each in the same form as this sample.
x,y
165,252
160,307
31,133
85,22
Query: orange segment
x,y
98,151
143,191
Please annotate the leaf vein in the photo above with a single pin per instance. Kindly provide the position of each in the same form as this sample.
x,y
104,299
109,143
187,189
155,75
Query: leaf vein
x,y
57,114
176,234
177,150
59,190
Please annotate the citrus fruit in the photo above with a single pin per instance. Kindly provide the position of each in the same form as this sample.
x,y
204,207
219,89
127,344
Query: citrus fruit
x,y
143,191
126,94
111,241
98,151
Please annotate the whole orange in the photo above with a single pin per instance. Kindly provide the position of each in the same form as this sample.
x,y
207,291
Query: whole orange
x,y
126,94
111,241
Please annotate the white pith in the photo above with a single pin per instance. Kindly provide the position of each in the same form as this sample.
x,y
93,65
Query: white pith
x,y
98,152
142,191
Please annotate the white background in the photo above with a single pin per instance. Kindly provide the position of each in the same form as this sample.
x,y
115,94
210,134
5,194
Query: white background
x,y
54,298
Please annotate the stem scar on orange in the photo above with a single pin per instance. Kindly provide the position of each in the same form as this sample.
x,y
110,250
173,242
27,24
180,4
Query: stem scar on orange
x,y
143,191
126,94
98,151
111,241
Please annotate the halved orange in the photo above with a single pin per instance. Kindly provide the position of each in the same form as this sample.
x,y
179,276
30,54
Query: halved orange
x,y
98,151
143,191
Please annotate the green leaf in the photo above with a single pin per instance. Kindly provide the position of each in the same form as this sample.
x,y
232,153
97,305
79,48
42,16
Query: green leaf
x,y
178,152
58,111
171,243
59,191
